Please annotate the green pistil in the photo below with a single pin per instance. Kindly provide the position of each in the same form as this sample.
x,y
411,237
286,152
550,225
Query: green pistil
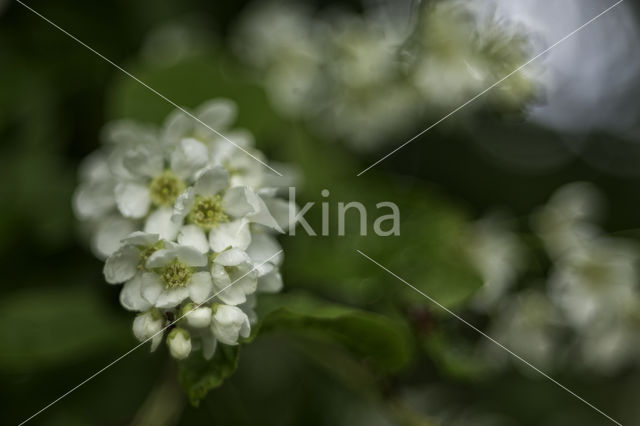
x,y
166,188
176,274
207,212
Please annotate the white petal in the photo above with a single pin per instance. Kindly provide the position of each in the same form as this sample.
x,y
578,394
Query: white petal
x,y
200,287
131,295
191,256
233,234
230,322
140,238
94,200
183,205
160,258
176,125
217,114
155,341
144,160
159,222
189,156
209,344
283,211
199,317
109,235
121,265
271,282
151,287
172,297
133,199
238,203
263,248
263,215
194,236
211,181
231,257
229,294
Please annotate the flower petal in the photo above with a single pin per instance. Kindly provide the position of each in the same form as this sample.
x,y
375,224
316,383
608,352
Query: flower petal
x,y
229,294
107,238
170,298
237,203
193,236
263,248
211,181
209,344
217,114
144,160
133,199
121,265
160,258
159,222
200,287
188,157
231,257
183,205
94,199
191,256
271,282
140,238
241,201
151,287
131,295
233,234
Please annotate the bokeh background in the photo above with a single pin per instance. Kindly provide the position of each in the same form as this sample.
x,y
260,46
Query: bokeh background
x,y
358,347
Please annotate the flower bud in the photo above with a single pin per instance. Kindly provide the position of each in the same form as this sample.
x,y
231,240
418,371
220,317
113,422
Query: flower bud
x,y
197,317
229,323
148,325
179,342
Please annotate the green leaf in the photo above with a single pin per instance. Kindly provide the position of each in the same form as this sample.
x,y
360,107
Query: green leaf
x,y
198,376
48,327
382,341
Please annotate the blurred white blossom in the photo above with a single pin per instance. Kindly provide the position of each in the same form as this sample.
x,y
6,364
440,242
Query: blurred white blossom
x,y
368,79
499,256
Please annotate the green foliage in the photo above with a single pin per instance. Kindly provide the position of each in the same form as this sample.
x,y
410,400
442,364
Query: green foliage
x,y
381,341
198,376
49,327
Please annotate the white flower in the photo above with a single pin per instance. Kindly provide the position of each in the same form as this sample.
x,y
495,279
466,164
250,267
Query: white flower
x,y
149,326
229,323
566,222
210,205
172,212
179,342
177,275
498,255
197,317
263,251
234,276
149,183
527,326
596,281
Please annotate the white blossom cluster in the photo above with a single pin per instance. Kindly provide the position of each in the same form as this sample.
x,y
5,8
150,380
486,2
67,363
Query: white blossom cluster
x,y
186,222
589,314
367,79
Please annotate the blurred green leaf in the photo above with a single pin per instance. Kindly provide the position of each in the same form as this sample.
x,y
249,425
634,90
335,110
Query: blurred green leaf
x,y
383,341
48,327
198,376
